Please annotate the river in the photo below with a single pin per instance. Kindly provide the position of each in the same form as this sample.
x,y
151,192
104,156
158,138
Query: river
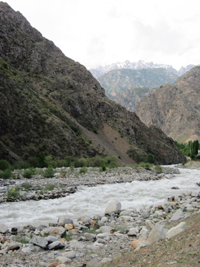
x,y
93,200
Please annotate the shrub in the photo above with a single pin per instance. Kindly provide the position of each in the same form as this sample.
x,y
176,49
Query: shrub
x,y
158,169
147,166
149,158
28,173
6,174
103,168
49,172
95,131
83,170
4,164
13,193
21,165
72,166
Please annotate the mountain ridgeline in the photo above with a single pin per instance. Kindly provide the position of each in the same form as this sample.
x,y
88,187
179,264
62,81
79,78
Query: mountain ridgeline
x,y
101,70
52,104
175,108
117,81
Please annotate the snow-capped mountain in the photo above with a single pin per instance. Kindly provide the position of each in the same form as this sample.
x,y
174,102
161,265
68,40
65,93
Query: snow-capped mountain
x,y
101,70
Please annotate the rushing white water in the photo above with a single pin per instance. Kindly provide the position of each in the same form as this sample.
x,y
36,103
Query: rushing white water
x,y
93,200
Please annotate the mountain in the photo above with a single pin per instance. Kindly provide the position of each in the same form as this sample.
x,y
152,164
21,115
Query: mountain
x,y
52,104
175,108
130,97
117,81
101,70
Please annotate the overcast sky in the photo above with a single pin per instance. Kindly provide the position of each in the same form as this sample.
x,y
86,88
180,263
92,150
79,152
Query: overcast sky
x,y
100,32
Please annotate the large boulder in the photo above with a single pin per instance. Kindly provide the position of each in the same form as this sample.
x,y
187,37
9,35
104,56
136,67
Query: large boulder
x,y
113,207
176,230
157,233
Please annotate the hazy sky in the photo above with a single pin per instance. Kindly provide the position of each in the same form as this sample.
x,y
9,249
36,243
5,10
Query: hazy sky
x,y
100,32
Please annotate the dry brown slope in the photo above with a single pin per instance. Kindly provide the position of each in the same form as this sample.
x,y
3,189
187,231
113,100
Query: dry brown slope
x,y
181,250
175,108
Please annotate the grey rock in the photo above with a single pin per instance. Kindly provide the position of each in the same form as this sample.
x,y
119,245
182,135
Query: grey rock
x,y
64,220
145,214
176,230
133,232
70,254
63,260
39,241
177,215
144,233
54,231
51,239
157,233
3,228
93,263
75,244
106,260
105,229
56,245
149,225
113,207
90,237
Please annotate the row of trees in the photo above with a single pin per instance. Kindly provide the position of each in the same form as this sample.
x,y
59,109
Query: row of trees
x,y
190,149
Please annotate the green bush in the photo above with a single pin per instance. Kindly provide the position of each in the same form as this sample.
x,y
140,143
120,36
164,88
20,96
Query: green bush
x,y
21,165
83,170
28,173
149,158
95,131
103,168
49,172
6,174
4,164
158,169
13,193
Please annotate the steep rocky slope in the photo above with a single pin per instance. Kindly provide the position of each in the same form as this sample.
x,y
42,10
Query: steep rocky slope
x,y
117,81
51,103
175,108
130,97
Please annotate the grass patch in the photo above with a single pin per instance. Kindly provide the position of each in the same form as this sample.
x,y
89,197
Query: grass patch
x,y
13,193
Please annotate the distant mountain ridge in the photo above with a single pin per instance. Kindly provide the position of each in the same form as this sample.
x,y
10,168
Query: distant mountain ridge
x,y
101,70
116,81
175,108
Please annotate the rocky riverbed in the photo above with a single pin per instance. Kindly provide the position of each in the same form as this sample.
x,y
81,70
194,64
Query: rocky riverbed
x,y
99,239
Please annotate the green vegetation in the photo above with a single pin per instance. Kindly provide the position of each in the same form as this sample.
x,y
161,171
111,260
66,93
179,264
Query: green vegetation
x,y
95,131
4,164
28,173
189,149
49,172
75,129
145,165
83,170
50,187
13,193
158,169
5,174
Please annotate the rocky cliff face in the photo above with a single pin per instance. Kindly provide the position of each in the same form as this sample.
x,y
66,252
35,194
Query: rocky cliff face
x,y
52,104
175,108
129,98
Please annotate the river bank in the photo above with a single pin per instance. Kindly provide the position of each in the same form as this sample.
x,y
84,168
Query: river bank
x,y
98,239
